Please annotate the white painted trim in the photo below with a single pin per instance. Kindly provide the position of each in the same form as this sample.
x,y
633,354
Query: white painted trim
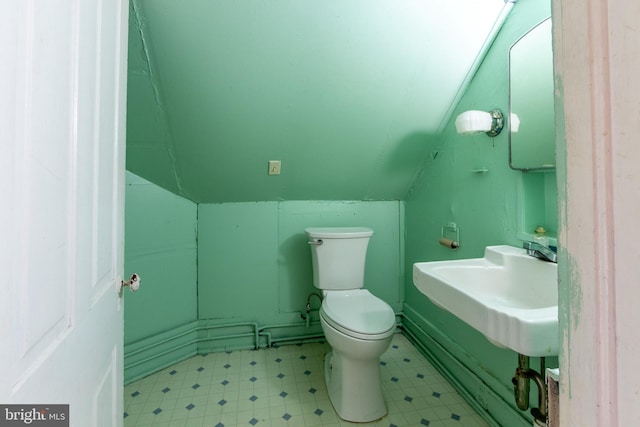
x,y
597,55
72,191
96,147
108,379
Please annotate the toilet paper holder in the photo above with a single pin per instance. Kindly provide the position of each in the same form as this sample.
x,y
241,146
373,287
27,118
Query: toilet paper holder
x,y
450,236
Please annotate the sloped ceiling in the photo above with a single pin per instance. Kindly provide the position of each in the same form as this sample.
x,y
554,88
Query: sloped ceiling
x,y
348,95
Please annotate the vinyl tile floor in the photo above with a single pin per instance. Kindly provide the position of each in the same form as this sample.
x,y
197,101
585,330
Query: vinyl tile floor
x,y
284,386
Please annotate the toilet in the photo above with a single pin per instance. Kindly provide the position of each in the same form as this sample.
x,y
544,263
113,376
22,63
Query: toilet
x,y
358,325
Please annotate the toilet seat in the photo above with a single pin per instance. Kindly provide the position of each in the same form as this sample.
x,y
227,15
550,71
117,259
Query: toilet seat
x,y
358,313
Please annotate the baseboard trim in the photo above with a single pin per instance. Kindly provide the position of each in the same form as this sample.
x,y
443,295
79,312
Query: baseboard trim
x,y
154,353
459,371
159,351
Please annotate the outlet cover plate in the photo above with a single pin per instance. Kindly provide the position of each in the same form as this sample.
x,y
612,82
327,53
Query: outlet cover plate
x,y
274,167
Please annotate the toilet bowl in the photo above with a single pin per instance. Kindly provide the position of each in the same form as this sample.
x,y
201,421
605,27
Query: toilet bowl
x,y
358,334
358,325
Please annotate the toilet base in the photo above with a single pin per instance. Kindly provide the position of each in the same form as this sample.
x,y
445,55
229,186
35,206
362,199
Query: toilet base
x,y
354,388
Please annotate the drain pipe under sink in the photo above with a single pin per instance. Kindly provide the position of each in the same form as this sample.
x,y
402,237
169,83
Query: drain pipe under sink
x,y
521,388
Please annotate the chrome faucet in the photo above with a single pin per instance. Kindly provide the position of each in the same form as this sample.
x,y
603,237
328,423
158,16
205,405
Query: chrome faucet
x,y
542,252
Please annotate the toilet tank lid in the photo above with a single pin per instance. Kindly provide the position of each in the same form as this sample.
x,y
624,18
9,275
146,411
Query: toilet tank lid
x,y
338,232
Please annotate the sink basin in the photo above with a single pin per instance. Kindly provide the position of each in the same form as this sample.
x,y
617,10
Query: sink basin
x,y
509,296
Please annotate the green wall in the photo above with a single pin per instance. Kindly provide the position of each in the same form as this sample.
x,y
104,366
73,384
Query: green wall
x,y
489,208
160,245
347,94
236,275
254,262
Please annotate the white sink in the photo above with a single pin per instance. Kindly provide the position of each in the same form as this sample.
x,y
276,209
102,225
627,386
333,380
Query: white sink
x,y
509,296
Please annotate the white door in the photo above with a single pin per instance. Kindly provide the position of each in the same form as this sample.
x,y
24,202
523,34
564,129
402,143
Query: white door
x,y
62,135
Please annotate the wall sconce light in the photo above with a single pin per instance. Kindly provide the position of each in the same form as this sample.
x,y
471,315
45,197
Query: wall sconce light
x,y
473,121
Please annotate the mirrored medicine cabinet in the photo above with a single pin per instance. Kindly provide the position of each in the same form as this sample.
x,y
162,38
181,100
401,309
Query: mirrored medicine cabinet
x,y
531,119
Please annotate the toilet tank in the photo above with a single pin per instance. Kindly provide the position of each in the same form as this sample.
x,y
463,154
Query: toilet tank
x,y
338,256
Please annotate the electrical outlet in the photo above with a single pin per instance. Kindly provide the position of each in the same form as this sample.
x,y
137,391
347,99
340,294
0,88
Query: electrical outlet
x,y
274,167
